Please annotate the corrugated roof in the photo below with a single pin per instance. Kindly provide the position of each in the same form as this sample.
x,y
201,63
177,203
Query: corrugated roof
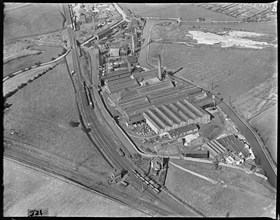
x,y
113,78
155,87
136,118
116,73
148,117
118,80
186,128
146,74
121,86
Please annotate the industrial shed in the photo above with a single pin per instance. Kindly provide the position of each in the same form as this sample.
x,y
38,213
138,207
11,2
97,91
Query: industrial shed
x,y
116,87
197,154
103,33
155,87
204,103
174,115
140,76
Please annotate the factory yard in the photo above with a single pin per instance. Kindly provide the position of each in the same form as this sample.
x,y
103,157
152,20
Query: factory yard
x,y
216,200
26,188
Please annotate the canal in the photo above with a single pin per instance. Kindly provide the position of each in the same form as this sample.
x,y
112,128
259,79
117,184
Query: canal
x,y
266,165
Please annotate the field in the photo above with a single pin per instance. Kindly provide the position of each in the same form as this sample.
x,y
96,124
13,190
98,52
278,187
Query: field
x,y
257,99
24,62
32,19
25,188
266,124
40,114
185,11
233,72
12,83
214,200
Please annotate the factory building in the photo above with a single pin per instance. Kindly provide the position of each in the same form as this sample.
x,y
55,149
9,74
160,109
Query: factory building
x,y
205,102
197,154
103,33
174,115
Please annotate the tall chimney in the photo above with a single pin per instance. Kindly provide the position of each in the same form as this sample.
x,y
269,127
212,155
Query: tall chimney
x,y
132,43
159,68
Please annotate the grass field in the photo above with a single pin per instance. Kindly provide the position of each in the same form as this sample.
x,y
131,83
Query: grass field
x,y
186,11
257,99
266,124
32,19
41,113
214,200
24,62
12,83
25,188
232,71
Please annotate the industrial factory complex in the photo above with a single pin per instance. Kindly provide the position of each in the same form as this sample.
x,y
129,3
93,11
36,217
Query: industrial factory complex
x,y
154,97
160,113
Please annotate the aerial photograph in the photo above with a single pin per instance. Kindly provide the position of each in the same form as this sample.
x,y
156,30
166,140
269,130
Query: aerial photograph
x,y
140,109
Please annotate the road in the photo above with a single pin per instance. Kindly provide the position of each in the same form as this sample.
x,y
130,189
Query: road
x,y
266,163
35,66
103,139
118,8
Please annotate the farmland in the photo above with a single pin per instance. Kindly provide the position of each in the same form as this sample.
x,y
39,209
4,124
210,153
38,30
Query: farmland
x,y
214,200
26,188
266,124
41,113
31,20
27,61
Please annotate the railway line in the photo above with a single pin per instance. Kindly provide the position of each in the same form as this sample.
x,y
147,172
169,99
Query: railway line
x,y
89,183
104,141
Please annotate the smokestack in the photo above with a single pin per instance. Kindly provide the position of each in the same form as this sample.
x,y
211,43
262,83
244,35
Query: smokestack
x,y
132,44
159,68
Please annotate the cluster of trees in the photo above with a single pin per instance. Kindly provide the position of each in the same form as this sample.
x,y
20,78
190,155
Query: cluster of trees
x,y
38,63
9,94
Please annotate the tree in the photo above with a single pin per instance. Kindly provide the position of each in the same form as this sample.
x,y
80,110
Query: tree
x,y
216,163
74,124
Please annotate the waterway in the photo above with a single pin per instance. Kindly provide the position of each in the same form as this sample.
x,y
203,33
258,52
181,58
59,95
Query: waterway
x,y
257,149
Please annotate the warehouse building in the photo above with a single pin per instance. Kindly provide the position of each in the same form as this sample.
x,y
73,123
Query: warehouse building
x,y
103,33
197,154
205,102
174,115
